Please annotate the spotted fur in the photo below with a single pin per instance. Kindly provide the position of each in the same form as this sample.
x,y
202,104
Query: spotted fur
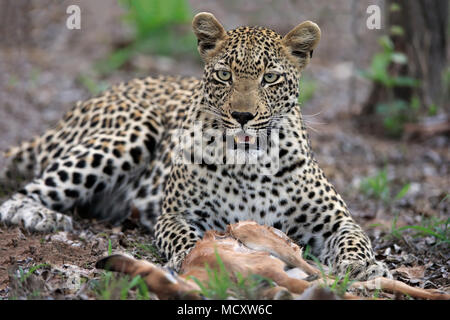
x,y
115,153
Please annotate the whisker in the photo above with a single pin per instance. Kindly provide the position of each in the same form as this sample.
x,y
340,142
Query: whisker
x,y
313,115
314,122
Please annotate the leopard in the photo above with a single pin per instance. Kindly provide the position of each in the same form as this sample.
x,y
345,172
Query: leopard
x,y
187,155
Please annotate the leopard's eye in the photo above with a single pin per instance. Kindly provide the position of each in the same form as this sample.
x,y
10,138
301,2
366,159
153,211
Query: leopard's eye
x,y
224,75
271,77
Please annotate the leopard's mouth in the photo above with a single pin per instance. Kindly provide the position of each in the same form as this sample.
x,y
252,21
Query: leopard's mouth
x,y
243,141
247,141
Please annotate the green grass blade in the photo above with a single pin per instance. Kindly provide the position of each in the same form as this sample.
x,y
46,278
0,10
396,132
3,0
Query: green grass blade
x,y
425,231
403,191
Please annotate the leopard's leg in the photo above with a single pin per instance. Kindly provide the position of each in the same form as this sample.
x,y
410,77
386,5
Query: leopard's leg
x,y
325,224
84,176
20,167
147,193
175,238
349,251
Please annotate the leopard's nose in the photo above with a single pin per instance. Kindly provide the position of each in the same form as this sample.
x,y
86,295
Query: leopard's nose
x,y
242,117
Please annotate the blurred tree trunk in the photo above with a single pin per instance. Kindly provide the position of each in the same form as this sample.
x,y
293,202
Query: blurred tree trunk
x,y
424,41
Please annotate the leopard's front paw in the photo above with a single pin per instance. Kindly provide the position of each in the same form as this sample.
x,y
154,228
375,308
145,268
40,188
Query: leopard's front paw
x,y
176,261
33,216
363,270
377,269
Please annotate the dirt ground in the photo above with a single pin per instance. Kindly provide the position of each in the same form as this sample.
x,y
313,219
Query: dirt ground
x,y
40,81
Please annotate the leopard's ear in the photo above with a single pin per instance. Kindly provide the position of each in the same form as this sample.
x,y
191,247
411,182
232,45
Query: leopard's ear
x,y
210,34
301,41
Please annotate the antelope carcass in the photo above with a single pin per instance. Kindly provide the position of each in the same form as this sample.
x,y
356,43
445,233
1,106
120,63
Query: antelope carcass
x,y
248,248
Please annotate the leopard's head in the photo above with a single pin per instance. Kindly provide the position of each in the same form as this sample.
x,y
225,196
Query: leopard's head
x,y
251,74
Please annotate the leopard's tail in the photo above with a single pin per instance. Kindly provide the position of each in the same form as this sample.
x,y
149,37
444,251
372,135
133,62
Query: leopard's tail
x,y
21,166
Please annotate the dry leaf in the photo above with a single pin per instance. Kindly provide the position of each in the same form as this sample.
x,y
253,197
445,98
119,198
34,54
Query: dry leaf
x,y
417,272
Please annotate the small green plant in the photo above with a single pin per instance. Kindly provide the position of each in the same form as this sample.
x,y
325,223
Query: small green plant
x,y
23,287
394,112
94,86
109,247
221,284
148,17
379,67
144,248
394,229
307,89
340,285
432,109
439,229
23,276
34,77
376,293
13,80
160,27
113,287
378,187
446,78
307,252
